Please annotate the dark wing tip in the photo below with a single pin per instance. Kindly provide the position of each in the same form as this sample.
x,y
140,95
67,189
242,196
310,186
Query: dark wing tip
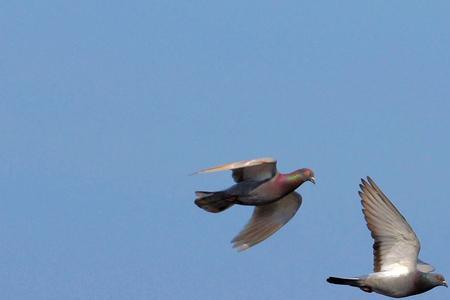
x,y
375,186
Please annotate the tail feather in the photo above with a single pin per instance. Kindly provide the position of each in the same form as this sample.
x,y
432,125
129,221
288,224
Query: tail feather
x,y
213,201
344,281
356,282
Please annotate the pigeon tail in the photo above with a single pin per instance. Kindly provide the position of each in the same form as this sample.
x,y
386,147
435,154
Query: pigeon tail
x,y
356,282
214,201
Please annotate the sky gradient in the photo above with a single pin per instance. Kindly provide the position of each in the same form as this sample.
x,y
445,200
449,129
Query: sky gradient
x,y
107,107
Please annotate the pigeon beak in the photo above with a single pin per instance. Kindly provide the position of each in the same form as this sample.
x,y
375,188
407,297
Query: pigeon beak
x,y
313,180
444,283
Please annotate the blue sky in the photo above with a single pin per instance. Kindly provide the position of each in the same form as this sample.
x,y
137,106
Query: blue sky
x,y
106,107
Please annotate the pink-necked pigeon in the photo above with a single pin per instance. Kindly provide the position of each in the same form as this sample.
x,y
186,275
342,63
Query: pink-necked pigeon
x,y
259,184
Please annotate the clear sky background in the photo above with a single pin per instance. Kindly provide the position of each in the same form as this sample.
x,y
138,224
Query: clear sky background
x,y
107,107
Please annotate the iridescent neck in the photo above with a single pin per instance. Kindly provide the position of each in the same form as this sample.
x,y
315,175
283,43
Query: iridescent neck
x,y
294,179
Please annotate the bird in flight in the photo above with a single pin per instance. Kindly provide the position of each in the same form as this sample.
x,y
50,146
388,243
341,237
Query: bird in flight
x,y
259,184
398,272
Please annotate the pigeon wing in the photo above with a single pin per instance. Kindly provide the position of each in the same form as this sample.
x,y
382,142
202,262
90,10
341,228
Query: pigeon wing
x,y
396,246
424,267
266,220
255,169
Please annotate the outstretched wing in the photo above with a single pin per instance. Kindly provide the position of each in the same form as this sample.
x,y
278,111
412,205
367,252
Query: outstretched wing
x,y
254,169
396,246
266,220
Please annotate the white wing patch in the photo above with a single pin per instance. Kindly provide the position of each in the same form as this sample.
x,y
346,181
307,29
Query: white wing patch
x,y
396,269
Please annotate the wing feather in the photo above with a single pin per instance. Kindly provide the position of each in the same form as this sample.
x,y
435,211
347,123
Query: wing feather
x,y
266,220
253,169
395,242
424,267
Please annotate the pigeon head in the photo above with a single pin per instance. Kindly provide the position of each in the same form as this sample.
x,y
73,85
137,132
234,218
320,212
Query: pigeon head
x,y
307,175
436,279
301,176
440,280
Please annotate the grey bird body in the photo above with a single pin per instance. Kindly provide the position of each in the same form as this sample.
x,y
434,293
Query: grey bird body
x,y
397,270
259,192
395,285
259,184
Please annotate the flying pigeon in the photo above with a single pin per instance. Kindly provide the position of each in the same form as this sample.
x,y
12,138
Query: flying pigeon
x,y
398,272
259,184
